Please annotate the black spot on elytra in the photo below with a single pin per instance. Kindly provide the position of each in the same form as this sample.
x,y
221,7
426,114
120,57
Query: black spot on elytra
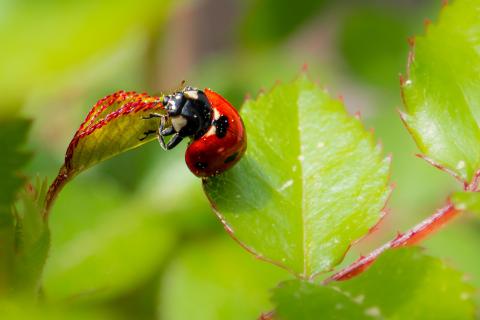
x,y
231,158
201,165
221,126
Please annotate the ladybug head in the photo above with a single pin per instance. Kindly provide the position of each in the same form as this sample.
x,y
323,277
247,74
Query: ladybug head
x,y
189,110
175,102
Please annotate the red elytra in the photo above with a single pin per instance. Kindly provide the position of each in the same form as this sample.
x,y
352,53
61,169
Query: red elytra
x,y
211,154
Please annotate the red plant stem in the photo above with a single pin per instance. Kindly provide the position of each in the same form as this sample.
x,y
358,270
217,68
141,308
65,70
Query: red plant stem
x,y
57,185
411,237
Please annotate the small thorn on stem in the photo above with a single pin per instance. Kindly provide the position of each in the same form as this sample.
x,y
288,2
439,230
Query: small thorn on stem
x,y
411,41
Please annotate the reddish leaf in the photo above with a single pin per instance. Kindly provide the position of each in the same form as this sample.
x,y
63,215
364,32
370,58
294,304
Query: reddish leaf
x,y
115,124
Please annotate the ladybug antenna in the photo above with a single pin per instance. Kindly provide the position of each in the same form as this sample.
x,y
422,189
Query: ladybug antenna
x,y
182,84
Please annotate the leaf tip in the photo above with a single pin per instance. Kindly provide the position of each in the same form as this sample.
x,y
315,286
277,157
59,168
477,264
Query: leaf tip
x,y
357,115
389,159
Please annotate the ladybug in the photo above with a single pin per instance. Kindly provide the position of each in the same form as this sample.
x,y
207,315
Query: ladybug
x,y
217,133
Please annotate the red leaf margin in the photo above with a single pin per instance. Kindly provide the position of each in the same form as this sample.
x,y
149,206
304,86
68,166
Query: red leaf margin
x,y
128,102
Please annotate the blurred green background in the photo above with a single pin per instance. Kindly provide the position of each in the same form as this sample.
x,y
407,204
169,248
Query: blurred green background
x,y
135,237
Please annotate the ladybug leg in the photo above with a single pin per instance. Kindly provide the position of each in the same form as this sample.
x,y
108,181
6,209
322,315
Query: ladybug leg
x,y
163,132
176,139
166,132
153,115
147,133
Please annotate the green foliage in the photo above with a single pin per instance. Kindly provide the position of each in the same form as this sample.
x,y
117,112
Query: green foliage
x,y
402,284
24,309
469,201
442,90
109,256
302,300
13,133
215,280
32,239
80,31
311,182
267,22
406,283
372,41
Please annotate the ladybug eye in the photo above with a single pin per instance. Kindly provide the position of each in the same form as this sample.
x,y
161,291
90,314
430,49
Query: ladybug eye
x,y
165,100
172,103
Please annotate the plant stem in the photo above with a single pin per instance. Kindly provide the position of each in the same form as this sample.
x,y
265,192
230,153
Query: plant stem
x,y
411,237
57,185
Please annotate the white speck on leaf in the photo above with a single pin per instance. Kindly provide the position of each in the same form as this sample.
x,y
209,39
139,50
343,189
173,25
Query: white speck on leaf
x,y
461,165
320,145
286,185
359,299
461,206
465,296
301,158
373,312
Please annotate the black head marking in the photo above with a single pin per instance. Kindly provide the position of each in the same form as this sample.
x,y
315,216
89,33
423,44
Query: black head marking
x,y
221,126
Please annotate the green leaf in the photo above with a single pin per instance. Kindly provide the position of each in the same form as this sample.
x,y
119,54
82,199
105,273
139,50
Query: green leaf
x,y
216,280
115,124
311,182
469,201
19,309
402,284
442,90
301,300
32,239
407,284
13,133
